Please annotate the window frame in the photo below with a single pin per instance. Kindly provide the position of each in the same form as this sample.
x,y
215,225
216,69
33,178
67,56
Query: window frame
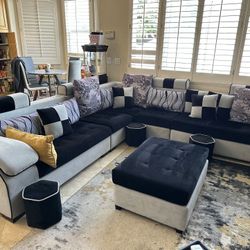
x,y
233,76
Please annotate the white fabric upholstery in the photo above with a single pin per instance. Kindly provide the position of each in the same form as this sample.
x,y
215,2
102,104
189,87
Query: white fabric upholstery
x,y
24,157
157,132
165,212
117,137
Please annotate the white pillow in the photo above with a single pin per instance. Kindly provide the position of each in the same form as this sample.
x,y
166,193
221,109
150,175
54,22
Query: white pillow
x,y
15,156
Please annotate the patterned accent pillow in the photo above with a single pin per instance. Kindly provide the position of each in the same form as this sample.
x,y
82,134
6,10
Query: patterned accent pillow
x,y
55,121
123,97
188,98
26,123
204,106
72,110
224,107
106,98
241,106
166,99
141,84
87,94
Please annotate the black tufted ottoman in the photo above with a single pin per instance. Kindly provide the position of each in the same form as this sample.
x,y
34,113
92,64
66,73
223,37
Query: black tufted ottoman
x,y
161,180
42,203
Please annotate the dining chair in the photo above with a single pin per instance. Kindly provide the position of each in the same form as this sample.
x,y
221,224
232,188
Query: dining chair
x,y
33,88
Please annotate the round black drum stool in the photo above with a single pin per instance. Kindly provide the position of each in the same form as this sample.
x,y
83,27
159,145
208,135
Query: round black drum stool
x,y
42,203
135,134
203,140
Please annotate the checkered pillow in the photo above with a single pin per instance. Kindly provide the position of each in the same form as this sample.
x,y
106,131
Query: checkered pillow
x,y
55,121
204,106
123,97
224,107
188,98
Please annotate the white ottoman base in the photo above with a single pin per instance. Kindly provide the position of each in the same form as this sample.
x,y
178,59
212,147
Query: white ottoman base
x,y
165,212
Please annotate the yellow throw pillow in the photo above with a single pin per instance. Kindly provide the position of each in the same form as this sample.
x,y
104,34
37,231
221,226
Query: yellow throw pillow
x,y
42,144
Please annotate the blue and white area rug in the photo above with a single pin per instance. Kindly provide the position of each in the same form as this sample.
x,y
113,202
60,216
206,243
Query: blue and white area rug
x,y
221,219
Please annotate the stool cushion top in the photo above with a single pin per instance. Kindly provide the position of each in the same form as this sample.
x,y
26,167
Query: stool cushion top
x,y
162,168
202,139
40,190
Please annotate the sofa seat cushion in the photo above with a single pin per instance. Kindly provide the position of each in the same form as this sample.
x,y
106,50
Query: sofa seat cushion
x,y
113,119
161,168
155,117
182,122
230,131
85,135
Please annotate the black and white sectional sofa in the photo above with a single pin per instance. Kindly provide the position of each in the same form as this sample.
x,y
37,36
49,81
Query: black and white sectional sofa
x,y
98,133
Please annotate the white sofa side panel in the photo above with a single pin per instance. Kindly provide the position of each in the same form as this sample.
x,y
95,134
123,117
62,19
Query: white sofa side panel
x,y
157,132
228,149
76,165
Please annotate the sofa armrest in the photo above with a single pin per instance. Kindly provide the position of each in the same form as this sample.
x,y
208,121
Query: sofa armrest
x,y
24,156
110,84
65,89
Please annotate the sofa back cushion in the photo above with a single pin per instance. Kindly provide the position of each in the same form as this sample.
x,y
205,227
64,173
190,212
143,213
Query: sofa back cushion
x,y
241,106
14,101
224,107
166,99
235,86
87,94
26,123
171,83
141,84
123,97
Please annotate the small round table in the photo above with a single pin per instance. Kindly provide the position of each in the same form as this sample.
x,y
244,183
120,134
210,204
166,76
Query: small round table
x,y
205,141
135,134
52,72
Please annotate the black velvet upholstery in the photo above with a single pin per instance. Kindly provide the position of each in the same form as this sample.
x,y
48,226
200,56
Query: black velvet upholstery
x,y
112,119
85,135
162,168
155,117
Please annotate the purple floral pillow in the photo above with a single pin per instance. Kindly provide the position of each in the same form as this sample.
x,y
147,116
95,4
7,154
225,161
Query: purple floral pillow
x,y
141,84
240,111
87,94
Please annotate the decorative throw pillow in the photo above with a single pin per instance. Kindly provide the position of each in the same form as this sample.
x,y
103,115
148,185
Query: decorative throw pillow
x,y
204,106
42,144
123,97
166,99
224,107
106,98
188,98
87,94
141,84
27,123
241,106
72,110
55,121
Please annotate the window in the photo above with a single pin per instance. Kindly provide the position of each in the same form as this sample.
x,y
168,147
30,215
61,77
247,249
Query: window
x,y
245,61
39,24
218,35
179,34
144,33
77,24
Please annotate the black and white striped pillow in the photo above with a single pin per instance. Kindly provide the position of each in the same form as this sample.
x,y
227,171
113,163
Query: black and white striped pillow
x,y
188,98
55,121
204,106
224,107
123,97
106,98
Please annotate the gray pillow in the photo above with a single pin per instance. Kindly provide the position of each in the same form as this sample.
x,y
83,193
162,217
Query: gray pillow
x,y
240,111
25,156
166,99
87,94
72,110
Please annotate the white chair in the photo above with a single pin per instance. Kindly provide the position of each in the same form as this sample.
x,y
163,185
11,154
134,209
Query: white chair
x,y
34,88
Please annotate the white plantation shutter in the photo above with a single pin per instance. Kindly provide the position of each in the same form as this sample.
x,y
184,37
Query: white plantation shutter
x,y
179,34
77,24
245,60
144,33
39,22
218,36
